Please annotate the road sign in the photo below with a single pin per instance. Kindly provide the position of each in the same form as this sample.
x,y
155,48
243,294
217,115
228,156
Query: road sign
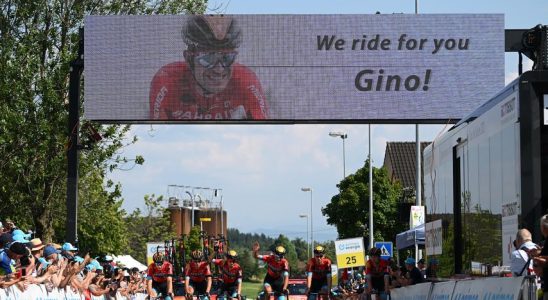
x,y
387,250
205,219
350,253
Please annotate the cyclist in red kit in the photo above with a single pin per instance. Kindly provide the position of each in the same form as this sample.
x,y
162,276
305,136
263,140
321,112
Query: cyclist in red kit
x,y
159,277
277,272
231,276
197,276
209,85
318,276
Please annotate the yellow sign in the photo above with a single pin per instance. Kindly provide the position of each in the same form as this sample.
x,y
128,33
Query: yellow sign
x,y
350,253
205,219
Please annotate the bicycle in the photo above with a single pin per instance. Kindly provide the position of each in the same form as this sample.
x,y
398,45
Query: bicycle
x,y
274,295
318,296
202,296
225,296
160,296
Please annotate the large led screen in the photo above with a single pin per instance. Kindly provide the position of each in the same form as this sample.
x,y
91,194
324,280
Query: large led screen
x,y
291,68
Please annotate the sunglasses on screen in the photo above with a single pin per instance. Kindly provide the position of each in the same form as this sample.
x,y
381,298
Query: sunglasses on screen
x,y
209,60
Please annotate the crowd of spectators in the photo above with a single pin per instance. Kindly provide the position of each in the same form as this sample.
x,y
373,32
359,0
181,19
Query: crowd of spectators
x,y
26,260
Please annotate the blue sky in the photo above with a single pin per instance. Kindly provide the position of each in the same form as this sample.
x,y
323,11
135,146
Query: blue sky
x,y
261,168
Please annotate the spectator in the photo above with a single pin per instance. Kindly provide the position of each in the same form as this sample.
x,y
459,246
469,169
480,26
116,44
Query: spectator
x,y
5,239
415,275
394,280
431,270
540,260
519,258
19,236
37,251
421,265
68,250
9,226
11,256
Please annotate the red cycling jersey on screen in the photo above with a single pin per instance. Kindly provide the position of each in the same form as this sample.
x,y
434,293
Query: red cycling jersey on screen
x,y
275,267
175,94
230,272
319,267
197,271
160,273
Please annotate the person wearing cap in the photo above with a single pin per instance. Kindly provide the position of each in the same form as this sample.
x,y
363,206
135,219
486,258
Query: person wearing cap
x,y
20,236
431,270
414,274
68,250
209,84
277,272
51,254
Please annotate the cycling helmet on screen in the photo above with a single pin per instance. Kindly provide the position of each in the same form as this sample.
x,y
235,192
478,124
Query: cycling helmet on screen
x,y
375,251
319,250
158,257
211,32
196,255
232,254
279,251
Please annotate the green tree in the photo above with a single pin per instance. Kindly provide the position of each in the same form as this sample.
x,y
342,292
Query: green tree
x,y
39,39
154,226
349,210
301,247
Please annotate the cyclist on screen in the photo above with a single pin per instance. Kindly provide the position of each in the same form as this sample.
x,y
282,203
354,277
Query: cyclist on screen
x,y
159,278
231,276
197,276
277,272
318,274
209,85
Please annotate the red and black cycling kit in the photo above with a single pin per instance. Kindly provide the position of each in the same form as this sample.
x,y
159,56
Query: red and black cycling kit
x,y
159,273
230,273
275,267
319,268
198,272
175,95
377,272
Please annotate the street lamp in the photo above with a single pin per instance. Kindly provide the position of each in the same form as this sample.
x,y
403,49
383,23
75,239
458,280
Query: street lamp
x,y
343,136
307,243
307,189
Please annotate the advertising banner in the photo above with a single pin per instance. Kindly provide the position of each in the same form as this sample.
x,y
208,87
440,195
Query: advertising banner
x,y
425,68
490,288
433,237
413,292
152,248
416,216
350,253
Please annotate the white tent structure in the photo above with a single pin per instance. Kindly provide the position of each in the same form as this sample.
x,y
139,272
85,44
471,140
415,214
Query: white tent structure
x,y
129,262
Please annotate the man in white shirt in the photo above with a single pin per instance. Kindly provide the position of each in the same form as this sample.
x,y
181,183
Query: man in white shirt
x,y
520,257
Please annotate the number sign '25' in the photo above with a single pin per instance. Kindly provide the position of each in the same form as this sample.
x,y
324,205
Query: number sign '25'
x,y
350,253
